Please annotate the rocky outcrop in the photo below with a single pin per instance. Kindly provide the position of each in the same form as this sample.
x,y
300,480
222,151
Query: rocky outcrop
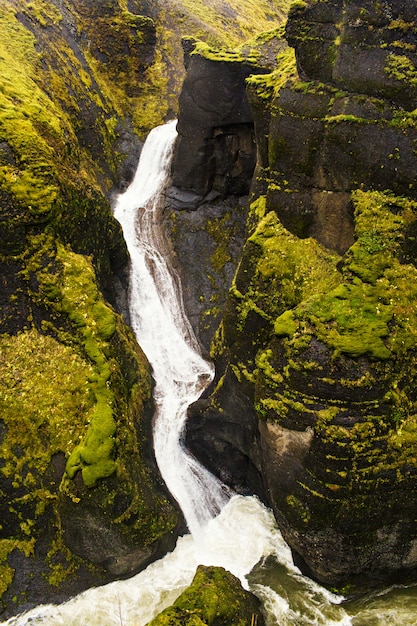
x,y
214,597
316,344
215,152
212,169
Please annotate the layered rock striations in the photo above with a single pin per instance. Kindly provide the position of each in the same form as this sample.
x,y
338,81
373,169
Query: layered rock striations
x,y
314,404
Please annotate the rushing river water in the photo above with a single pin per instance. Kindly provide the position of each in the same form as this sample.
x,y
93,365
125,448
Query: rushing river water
x,y
235,532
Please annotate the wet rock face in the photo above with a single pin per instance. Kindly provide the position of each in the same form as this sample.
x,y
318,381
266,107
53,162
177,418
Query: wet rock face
x,y
215,151
227,443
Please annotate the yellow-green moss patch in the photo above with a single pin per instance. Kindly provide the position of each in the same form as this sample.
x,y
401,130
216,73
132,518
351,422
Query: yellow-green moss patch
x,y
43,401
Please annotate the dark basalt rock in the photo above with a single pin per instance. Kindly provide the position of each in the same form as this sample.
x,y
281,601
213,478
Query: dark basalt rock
x,y
217,231
227,443
357,46
318,332
215,150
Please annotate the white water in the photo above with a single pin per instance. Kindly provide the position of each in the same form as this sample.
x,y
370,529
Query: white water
x,y
234,532
163,331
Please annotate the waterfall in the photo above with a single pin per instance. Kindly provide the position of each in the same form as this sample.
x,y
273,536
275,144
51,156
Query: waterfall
x,y
235,532
163,331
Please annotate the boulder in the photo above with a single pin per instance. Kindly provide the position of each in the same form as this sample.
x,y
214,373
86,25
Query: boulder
x,y
214,597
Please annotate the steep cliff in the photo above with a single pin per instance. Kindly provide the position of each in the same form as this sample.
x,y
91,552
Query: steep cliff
x,y
82,82
80,498
314,404
213,165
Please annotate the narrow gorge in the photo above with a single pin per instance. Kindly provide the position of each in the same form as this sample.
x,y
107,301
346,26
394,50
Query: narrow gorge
x,y
288,213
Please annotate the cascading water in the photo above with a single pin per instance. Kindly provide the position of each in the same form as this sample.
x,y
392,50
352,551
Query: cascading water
x,y
237,532
163,331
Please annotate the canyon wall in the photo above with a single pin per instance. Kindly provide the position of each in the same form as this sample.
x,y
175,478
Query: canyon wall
x,y
313,406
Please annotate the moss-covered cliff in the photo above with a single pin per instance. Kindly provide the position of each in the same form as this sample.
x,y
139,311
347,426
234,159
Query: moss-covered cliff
x,y
81,83
313,405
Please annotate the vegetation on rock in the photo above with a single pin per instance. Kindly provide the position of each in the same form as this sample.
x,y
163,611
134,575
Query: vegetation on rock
x,y
316,343
81,84
214,597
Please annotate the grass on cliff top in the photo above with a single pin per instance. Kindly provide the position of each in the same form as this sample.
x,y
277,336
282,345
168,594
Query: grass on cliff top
x,y
373,311
231,22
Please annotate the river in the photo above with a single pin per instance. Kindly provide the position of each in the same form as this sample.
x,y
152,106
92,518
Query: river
x,y
231,531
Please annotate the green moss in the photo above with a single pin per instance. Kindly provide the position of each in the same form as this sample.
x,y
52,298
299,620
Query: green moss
x,y
43,403
300,508
31,177
264,365
353,119
298,5
6,571
60,562
43,399
81,301
250,52
293,268
276,273
285,325
360,316
220,230
267,86
401,68
401,24
220,54
215,597
44,12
